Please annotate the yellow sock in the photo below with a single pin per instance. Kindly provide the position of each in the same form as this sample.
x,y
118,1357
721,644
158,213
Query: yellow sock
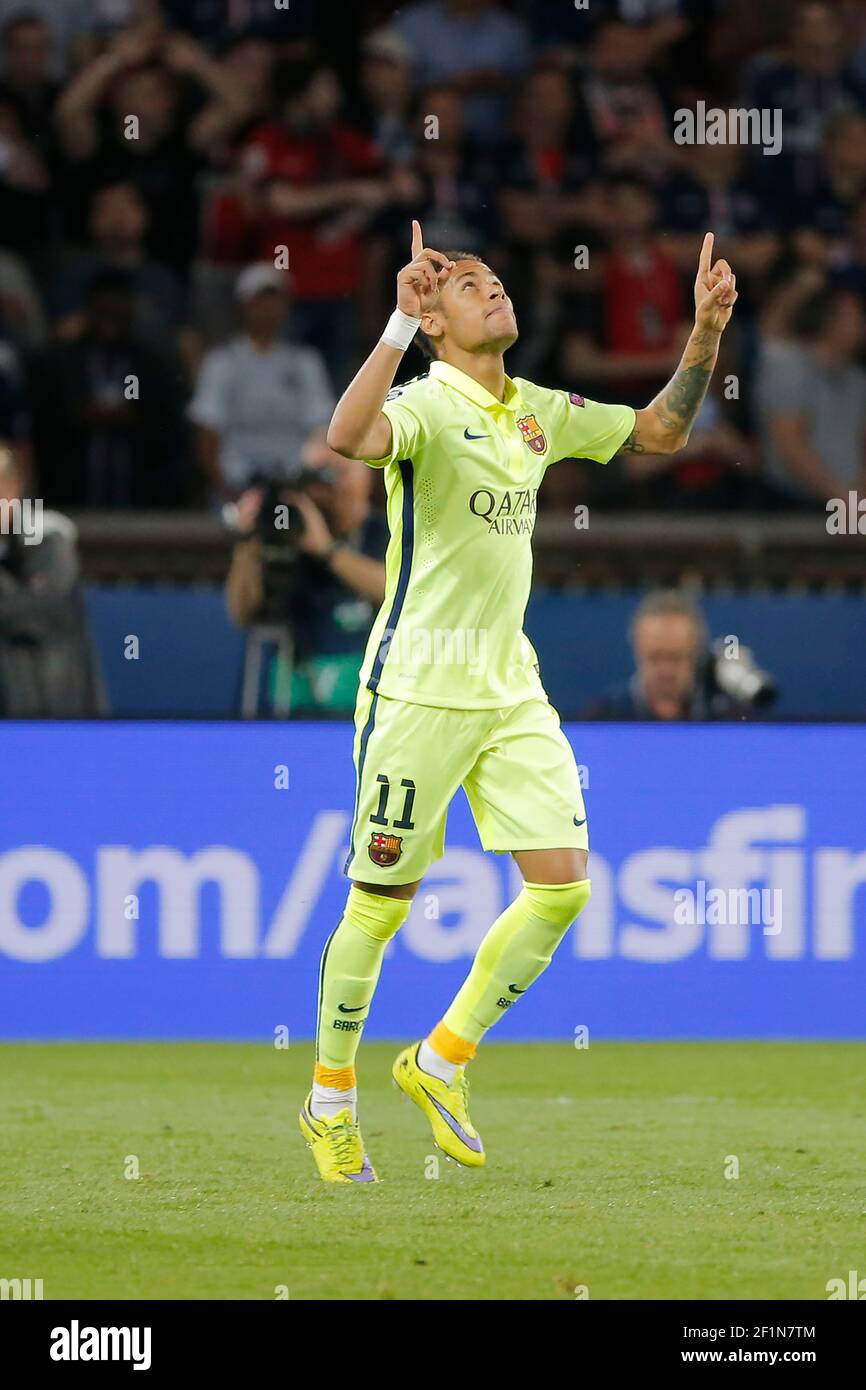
x,y
515,951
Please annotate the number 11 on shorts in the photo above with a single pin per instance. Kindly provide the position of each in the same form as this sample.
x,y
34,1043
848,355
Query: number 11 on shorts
x,y
405,821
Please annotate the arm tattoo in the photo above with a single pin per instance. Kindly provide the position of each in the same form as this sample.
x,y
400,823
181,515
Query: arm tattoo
x,y
676,407
681,400
631,445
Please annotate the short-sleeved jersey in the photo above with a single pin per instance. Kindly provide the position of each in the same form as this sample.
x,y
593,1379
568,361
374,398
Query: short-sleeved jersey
x,y
462,479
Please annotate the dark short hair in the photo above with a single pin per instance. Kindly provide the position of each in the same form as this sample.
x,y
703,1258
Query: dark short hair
x,y
24,19
424,344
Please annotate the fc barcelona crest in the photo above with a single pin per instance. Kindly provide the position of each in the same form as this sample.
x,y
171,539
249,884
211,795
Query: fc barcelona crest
x,y
533,434
385,849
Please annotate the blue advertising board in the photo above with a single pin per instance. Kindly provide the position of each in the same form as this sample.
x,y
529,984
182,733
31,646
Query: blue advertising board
x,y
169,880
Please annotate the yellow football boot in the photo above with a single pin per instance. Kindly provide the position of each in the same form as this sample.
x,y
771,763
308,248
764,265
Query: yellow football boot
x,y
336,1146
446,1107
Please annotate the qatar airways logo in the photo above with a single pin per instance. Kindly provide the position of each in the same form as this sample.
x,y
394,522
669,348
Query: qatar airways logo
x,y
509,513
129,901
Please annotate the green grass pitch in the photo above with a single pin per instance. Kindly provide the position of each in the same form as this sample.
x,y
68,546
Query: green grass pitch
x,y
605,1168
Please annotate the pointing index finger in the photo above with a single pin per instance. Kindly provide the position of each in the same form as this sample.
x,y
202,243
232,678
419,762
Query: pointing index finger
x,y
417,240
706,254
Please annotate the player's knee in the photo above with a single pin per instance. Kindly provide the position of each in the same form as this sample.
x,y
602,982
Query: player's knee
x,y
379,915
558,904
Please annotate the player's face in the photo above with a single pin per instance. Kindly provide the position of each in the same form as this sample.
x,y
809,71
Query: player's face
x,y
477,314
666,653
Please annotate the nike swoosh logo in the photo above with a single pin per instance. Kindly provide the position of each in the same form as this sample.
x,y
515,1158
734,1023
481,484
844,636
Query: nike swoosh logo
x,y
454,1125
467,435
344,1010
366,1173
579,822
515,990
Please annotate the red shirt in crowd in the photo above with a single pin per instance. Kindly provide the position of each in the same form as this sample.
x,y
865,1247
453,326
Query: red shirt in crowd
x,y
643,302
324,253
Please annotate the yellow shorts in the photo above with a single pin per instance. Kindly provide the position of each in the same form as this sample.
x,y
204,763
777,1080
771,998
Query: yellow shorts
x,y
515,765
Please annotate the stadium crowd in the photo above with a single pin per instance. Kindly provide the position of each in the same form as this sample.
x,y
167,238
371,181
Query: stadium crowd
x,y
162,161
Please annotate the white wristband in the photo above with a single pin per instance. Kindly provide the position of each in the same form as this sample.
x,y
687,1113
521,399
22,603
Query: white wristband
x,y
400,330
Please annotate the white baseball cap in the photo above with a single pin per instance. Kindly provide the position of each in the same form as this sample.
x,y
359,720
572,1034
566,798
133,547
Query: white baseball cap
x,y
255,279
386,43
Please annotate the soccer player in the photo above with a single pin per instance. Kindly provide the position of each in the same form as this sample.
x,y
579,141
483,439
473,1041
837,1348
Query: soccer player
x,y
450,693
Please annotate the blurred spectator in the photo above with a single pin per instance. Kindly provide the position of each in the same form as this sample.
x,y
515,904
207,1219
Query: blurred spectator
x,y
642,325
22,320
258,399
47,664
811,400
322,580
384,110
626,110
312,185
848,267
29,155
108,16
473,46
118,232
809,83
291,24
27,213
179,101
669,642
821,221
548,204
15,421
713,187
553,133
65,20
108,410
27,81
568,29
454,197
247,62
545,163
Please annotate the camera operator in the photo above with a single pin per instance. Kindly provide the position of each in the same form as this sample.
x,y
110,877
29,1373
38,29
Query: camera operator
x,y
308,561
678,674
48,668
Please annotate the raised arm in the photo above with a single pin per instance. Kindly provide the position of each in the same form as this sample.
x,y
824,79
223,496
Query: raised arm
x,y
227,106
75,112
358,427
664,425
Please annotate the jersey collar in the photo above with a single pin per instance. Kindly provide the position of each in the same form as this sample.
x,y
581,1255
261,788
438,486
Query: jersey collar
x,y
467,386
